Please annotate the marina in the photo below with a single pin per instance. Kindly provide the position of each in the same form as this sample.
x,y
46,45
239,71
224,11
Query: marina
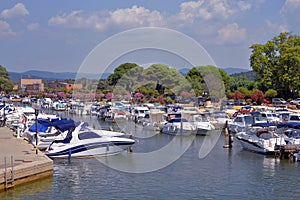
x,y
128,99
224,173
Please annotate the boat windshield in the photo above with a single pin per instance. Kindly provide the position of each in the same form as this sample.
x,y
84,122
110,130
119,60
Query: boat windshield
x,y
249,120
178,120
88,135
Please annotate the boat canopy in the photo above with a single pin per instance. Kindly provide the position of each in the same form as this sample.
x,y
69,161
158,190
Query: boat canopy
x,y
290,125
60,124
266,124
178,120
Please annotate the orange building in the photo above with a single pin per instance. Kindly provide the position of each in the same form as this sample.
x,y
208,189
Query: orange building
x,y
31,85
68,86
73,86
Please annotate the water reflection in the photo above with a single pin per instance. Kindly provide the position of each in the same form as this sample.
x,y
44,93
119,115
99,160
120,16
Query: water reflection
x,y
29,190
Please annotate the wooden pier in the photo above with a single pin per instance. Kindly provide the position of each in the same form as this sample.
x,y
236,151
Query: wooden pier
x,y
19,163
286,151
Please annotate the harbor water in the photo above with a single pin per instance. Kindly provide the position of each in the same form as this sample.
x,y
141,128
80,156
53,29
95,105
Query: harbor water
x,y
222,174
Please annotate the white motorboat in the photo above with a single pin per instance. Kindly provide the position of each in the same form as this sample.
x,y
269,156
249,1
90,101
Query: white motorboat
x,y
203,125
85,142
113,115
220,118
244,121
260,140
179,126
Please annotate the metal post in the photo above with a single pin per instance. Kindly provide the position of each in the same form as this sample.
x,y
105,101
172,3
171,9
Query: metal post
x,y
12,169
36,132
5,171
4,114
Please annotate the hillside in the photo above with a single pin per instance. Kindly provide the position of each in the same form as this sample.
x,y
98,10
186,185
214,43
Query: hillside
x,y
46,75
250,75
229,71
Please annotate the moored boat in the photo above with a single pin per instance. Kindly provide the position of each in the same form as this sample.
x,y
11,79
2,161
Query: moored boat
x,y
82,142
260,140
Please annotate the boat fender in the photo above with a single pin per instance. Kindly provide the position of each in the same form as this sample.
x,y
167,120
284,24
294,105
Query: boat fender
x,y
70,153
173,129
24,120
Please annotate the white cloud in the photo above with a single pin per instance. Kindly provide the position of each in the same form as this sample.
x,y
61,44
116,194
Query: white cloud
x,y
244,5
290,14
18,10
136,16
5,29
33,26
274,27
290,6
205,9
77,19
231,34
129,17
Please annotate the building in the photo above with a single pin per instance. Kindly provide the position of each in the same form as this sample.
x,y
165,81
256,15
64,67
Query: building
x,y
68,86
31,85
72,86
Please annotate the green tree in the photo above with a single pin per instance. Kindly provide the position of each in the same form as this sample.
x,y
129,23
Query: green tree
x,y
127,72
170,79
271,93
277,64
208,79
6,84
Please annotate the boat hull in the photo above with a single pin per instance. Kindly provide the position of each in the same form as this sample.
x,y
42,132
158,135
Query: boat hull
x,y
257,146
89,150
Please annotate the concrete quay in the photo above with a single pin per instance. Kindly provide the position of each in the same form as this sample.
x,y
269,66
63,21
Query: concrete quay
x,y
19,163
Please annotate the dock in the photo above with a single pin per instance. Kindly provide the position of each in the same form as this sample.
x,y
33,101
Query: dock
x,y
286,151
19,163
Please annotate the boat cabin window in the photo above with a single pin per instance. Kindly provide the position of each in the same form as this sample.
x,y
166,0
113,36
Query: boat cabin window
x,y
238,120
249,120
295,118
88,135
265,135
178,120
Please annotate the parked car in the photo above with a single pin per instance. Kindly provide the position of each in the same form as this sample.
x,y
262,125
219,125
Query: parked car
x,y
266,101
278,101
295,101
239,103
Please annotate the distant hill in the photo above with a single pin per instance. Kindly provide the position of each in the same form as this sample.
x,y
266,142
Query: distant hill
x,y
46,75
232,70
229,71
250,75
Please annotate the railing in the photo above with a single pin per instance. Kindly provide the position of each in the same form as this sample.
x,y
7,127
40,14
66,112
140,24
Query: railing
x,y
9,180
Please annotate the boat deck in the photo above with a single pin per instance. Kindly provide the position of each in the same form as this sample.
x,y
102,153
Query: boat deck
x,y
19,162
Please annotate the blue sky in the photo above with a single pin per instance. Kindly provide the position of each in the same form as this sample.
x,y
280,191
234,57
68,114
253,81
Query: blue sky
x,y
58,35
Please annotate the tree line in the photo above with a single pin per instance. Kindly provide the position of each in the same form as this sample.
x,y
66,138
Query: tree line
x,y
275,65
